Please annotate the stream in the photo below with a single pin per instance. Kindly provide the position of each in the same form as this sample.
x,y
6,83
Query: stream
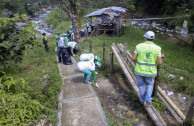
x,y
39,19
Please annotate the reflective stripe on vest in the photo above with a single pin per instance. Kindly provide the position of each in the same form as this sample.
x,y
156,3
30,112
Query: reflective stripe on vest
x,y
146,59
147,64
147,75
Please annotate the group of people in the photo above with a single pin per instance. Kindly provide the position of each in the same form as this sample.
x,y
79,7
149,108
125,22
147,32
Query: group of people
x,y
88,63
65,49
90,28
147,56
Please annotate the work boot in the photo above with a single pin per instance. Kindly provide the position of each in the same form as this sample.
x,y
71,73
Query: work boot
x,y
59,60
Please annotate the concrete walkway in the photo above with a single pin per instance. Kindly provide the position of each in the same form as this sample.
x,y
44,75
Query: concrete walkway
x,y
79,105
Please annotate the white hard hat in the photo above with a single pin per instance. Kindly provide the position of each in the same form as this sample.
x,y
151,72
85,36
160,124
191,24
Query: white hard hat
x,y
149,35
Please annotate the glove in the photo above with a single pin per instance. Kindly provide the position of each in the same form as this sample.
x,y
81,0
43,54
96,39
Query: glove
x,y
55,49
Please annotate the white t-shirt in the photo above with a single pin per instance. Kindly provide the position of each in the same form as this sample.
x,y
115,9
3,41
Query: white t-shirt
x,y
85,56
85,66
72,44
61,42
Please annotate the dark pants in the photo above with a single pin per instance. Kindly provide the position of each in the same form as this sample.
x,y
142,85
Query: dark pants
x,y
59,52
46,46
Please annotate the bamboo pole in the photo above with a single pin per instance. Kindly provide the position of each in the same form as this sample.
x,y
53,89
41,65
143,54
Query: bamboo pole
x,y
127,51
130,79
178,111
157,120
128,58
127,67
173,113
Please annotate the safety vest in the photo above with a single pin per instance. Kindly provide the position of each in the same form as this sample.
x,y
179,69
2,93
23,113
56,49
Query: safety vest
x,y
44,38
147,59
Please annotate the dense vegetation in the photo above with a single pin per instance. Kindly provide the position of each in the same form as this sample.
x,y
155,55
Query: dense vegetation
x,y
29,78
14,40
29,90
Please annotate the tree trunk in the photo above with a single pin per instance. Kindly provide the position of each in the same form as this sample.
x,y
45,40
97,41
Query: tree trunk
x,y
72,13
76,30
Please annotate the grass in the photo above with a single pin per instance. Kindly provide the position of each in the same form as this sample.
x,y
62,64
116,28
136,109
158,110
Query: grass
x,y
40,71
178,59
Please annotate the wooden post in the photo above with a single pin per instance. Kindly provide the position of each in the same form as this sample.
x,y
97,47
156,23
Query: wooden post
x,y
111,62
90,46
104,51
189,117
156,82
125,51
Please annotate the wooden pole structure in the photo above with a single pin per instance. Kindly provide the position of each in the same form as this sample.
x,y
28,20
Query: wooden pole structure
x,y
126,65
90,46
128,53
171,107
104,50
128,58
111,62
190,115
157,120
156,82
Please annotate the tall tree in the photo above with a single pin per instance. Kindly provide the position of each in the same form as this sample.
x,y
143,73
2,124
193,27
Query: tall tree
x,y
71,8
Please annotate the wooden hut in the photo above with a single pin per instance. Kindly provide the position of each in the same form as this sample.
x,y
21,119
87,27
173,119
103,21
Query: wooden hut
x,y
108,20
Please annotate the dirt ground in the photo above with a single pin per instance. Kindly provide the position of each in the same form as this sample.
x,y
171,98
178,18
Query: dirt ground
x,y
114,96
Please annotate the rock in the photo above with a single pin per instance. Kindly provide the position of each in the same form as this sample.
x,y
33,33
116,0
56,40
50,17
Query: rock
x,y
122,107
130,114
